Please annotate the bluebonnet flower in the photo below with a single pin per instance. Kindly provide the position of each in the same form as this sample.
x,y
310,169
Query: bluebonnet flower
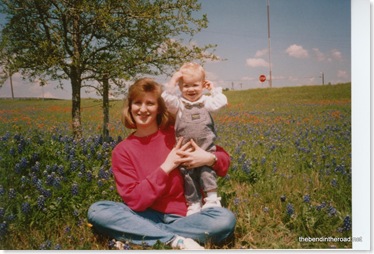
x,y
3,229
263,160
75,213
103,174
10,217
236,201
74,165
89,176
12,151
60,170
57,247
275,169
17,137
25,207
12,193
46,245
38,183
111,244
6,136
306,199
289,209
46,192
41,201
334,183
246,167
347,223
71,155
241,158
24,180
2,212
1,190
99,156
35,157
340,169
321,206
17,168
36,167
74,189
331,211
67,230
105,146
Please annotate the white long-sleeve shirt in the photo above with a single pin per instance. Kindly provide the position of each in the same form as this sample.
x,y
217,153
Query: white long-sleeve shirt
x,y
174,101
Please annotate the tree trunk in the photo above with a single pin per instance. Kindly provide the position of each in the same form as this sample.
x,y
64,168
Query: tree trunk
x,y
76,82
106,108
76,106
11,85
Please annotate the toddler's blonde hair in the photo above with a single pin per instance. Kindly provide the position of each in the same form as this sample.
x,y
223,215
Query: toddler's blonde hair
x,y
193,69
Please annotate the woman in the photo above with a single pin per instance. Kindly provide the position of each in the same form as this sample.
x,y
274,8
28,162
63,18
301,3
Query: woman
x,y
154,206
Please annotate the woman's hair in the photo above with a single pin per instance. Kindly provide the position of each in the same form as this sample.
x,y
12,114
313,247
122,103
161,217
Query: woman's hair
x,y
139,88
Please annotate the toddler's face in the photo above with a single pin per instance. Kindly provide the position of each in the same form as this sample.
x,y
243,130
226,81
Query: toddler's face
x,y
191,87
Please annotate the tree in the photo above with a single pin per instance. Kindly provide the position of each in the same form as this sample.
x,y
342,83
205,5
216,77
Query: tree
x,y
7,64
102,40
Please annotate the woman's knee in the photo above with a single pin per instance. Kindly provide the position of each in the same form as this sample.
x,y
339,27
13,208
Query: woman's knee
x,y
100,210
224,224
226,220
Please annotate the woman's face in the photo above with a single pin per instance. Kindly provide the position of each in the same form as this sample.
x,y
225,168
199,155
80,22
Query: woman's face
x,y
144,110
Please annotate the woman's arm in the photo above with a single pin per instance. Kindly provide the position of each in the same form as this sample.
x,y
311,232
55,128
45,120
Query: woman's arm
x,y
137,192
197,157
139,189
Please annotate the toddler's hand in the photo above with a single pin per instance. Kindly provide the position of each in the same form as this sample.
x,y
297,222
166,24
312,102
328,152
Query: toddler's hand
x,y
175,79
208,85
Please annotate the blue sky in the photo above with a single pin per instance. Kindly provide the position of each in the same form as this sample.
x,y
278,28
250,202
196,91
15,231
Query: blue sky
x,y
308,37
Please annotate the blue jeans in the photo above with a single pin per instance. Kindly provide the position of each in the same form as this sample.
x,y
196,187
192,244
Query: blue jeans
x,y
118,221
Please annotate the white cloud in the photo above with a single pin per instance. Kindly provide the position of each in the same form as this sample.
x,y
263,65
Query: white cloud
x,y
319,55
342,74
261,53
297,51
256,62
336,54
248,78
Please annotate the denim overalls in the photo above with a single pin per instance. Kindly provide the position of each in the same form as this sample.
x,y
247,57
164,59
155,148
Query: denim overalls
x,y
196,123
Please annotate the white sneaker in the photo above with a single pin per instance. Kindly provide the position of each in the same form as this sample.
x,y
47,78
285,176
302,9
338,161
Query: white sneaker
x,y
212,202
193,208
185,244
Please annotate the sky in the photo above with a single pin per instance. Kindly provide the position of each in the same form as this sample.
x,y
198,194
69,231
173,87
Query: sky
x,y
309,39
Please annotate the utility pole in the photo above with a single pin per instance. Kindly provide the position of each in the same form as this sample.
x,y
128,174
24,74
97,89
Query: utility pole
x,y
323,78
268,14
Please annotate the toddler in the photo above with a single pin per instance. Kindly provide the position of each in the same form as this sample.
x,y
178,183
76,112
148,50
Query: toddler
x,y
193,121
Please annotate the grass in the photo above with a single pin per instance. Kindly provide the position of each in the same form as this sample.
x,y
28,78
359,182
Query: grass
x,y
290,175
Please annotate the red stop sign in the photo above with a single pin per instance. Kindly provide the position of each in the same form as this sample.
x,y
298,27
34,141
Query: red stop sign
x,y
262,78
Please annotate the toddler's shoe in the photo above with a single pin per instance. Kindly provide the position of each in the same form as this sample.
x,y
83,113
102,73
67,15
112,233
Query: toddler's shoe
x,y
212,202
193,208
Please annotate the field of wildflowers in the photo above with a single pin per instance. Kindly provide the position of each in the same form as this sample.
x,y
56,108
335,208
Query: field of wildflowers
x,y
290,175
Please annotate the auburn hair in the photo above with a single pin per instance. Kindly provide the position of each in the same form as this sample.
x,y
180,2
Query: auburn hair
x,y
139,88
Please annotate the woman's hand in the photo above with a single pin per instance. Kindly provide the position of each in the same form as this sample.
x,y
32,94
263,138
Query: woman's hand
x,y
194,156
174,158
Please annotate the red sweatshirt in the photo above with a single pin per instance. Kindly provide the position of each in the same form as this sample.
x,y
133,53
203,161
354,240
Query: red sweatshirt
x,y
141,182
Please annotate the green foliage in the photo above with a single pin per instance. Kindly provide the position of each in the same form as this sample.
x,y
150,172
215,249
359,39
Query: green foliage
x,y
88,42
290,174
